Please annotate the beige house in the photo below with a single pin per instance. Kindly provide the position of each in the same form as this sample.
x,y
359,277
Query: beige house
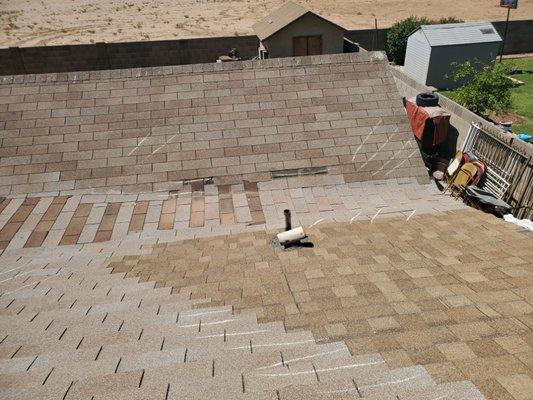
x,y
293,30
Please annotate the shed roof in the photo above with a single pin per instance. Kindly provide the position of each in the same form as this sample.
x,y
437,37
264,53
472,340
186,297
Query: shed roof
x,y
461,33
283,16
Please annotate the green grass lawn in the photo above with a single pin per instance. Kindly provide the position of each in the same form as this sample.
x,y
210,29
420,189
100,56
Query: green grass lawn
x,y
449,94
523,128
522,96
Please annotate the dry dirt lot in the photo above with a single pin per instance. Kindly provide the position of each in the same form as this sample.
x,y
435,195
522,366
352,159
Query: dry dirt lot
x,y
48,22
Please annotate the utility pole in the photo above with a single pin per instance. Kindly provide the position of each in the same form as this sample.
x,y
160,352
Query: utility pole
x,y
507,4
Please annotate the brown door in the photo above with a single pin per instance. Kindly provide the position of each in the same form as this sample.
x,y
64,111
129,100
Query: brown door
x,y
314,45
307,45
299,44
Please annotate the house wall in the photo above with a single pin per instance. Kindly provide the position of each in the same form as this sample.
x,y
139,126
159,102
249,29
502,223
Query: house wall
x,y
280,44
417,57
443,59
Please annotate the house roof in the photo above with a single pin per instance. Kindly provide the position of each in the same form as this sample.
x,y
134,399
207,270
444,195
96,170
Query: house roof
x,y
217,119
462,33
283,16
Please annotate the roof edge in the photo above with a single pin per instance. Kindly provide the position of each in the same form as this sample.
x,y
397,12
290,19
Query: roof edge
x,y
454,24
236,66
466,44
300,17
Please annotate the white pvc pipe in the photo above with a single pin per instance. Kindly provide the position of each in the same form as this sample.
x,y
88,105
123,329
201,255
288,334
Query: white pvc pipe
x,y
291,236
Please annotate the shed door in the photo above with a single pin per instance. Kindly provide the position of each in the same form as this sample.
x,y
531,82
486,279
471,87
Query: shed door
x,y
307,45
314,45
300,46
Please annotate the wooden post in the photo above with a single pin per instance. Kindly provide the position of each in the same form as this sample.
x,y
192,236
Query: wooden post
x,y
375,35
505,32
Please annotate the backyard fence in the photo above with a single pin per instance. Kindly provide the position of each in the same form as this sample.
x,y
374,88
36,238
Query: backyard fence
x,y
103,56
509,173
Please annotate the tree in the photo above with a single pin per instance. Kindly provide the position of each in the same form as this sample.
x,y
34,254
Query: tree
x,y
398,34
484,89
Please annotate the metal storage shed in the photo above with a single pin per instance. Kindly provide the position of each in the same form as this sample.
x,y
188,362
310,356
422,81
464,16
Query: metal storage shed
x,y
432,50
293,30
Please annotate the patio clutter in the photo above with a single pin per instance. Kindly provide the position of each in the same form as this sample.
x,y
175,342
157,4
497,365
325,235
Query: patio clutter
x,y
524,223
429,122
430,125
525,137
486,201
464,169
466,178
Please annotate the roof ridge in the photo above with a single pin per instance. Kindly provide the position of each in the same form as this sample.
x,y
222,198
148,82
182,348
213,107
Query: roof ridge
x,y
287,62
455,24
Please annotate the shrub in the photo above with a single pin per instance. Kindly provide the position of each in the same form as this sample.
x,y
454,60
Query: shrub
x,y
447,20
487,89
397,37
399,33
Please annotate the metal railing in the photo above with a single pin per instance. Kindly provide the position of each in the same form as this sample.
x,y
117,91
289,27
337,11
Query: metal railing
x,y
509,173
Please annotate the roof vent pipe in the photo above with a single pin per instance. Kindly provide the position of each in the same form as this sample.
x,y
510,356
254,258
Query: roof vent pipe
x,y
290,236
288,225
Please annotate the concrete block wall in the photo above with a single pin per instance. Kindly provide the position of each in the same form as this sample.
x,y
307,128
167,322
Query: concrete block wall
x,y
149,129
519,36
102,56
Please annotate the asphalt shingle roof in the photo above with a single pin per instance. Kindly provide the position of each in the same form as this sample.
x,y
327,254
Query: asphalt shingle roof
x,y
463,33
283,16
139,130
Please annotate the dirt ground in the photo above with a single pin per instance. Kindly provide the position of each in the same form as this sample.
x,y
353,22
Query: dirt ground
x,y
49,22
